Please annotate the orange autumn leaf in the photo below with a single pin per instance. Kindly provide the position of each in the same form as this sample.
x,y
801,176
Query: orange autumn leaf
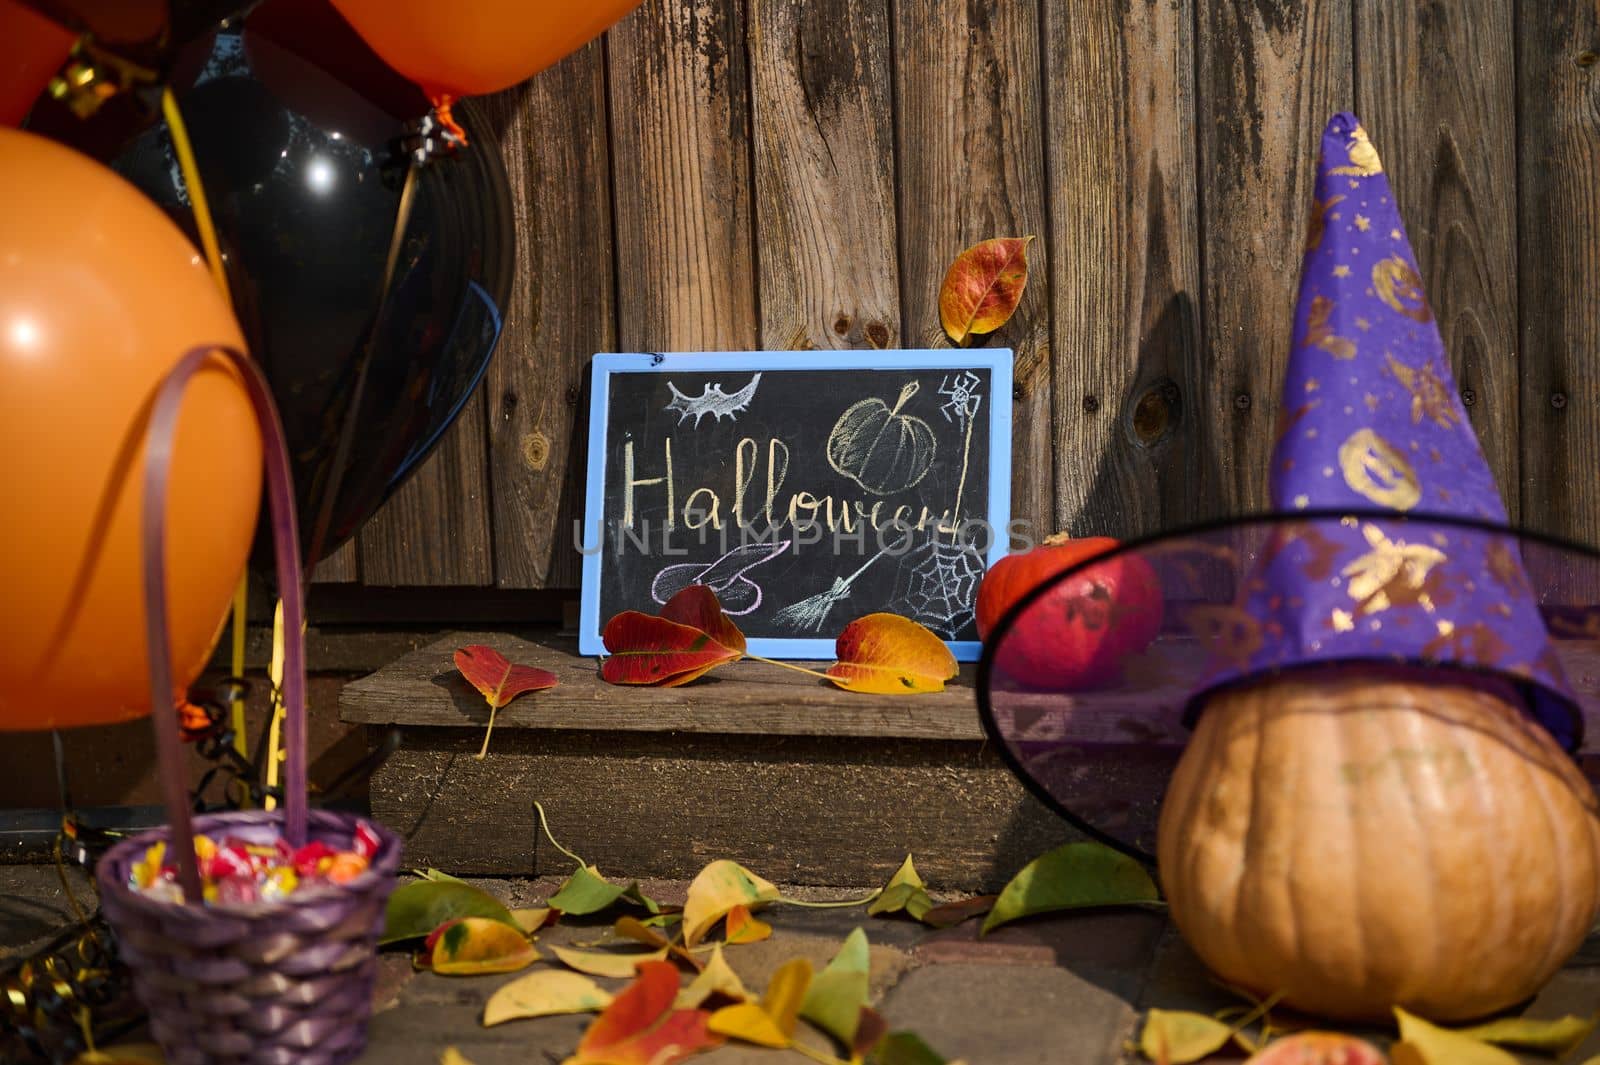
x,y
743,927
498,680
697,606
656,651
983,287
641,1027
886,654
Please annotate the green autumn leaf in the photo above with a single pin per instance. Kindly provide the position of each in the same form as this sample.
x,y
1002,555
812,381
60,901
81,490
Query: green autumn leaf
x,y
839,993
545,993
587,892
1560,1036
1422,1043
417,908
1071,877
716,890
1180,1036
904,891
905,1048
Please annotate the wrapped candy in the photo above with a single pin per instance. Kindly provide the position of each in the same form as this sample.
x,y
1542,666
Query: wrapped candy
x,y
238,871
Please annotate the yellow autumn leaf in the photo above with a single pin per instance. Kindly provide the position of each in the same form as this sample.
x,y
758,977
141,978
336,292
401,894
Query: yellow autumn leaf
x,y
717,978
772,1021
475,945
610,963
452,1056
886,654
1175,1037
531,920
1422,1043
717,889
743,928
543,994
1559,1036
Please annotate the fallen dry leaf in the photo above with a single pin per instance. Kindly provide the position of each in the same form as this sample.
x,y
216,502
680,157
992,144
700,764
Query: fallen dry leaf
x,y
716,979
951,914
716,890
698,607
587,892
532,919
1175,1037
983,287
771,1022
1071,877
1559,1036
649,650
544,994
498,680
1318,1048
741,927
614,964
886,654
1422,1043
417,908
127,1054
469,946
452,1056
904,891
641,1027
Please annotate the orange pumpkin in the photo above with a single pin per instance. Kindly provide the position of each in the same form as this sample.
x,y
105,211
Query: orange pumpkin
x,y
1078,634
1361,837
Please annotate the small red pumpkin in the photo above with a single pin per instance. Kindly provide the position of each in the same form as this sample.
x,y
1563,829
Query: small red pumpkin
x,y
1078,634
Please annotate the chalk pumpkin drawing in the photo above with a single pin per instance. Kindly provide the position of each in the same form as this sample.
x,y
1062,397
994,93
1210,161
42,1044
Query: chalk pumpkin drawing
x,y
726,576
881,449
711,400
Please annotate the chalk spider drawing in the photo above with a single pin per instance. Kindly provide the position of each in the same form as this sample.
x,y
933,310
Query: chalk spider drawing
x,y
726,576
937,584
812,612
964,398
713,401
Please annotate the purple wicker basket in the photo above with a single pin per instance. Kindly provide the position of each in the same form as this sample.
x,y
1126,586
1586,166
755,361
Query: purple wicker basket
x,y
264,983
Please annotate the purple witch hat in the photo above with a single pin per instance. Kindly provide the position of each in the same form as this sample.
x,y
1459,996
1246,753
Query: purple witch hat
x,y
1388,543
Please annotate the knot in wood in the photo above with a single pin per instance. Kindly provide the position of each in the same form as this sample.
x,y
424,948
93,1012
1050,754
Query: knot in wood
x,y
536,450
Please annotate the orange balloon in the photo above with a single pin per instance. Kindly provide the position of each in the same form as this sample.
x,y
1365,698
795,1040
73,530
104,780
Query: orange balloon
x,y
472,47
100,295
35,50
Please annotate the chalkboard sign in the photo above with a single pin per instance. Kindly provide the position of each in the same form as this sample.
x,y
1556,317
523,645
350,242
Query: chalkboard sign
x,y
806,488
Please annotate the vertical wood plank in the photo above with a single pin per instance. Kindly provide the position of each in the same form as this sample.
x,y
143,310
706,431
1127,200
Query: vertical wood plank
x,y
1437,93
435,529
680,107
1559,129
553,138
1270,76
341,567
971,165
824,173
1125,251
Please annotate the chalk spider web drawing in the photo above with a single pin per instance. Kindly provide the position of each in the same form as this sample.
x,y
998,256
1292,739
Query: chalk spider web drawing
x,y
937,585
712,400
812,612
964,400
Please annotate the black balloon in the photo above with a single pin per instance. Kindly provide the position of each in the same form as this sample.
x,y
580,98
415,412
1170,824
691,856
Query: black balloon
x,y
303,173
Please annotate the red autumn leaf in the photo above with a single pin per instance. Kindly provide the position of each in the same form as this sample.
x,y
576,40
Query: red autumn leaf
x,y
983,286
640,1027
649,650
500,682
697,606
886,654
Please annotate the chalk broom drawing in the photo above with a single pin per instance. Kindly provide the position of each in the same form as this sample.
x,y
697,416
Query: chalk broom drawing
x,y
726,576
881,449
712,400
812,612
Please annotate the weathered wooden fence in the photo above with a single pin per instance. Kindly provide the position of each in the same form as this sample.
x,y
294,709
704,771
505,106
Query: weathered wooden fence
x,y
798,173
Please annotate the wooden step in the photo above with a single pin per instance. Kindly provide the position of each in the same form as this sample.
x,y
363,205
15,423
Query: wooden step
x,y
799,780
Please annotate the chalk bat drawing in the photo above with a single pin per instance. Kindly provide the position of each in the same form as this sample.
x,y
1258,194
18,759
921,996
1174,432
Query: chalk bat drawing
x,y
726,576
812,612
881,449
713,400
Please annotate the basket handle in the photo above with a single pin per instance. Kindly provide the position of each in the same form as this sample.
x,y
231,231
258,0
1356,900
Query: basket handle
x,y
286,551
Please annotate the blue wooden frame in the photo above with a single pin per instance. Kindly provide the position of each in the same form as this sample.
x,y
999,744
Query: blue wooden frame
x,y
998,361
